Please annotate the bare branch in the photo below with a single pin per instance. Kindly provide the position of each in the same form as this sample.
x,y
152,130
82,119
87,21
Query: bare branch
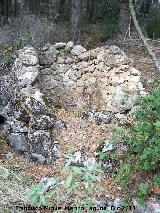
x,y
147,46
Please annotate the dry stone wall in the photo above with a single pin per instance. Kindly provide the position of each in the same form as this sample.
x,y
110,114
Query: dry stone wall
x,y
101,78
101,81
30,120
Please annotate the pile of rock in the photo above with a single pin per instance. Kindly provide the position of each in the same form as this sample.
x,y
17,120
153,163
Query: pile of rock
x,y
102,77
99,77
29,117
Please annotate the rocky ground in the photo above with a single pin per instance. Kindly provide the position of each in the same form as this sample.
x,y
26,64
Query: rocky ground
x,y
83,138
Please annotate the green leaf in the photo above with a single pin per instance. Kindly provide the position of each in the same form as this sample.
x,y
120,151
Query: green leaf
x,y
76,170
157,124
157,181
102,155
143,192
69,181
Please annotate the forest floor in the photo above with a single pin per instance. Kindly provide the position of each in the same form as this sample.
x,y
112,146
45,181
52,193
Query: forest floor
x,y
90,137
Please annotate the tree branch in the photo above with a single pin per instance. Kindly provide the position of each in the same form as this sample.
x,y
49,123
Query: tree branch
x,y
147,46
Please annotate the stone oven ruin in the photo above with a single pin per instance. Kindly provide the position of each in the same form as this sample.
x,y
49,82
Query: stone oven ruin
x,y
101,81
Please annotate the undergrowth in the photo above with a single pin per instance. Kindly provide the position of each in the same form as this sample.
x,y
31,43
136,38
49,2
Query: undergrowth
x,y
69,190
141,165
13,186
10,51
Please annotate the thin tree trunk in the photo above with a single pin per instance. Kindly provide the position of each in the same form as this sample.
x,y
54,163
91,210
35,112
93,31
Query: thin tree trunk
x,y
150,52
146,6
93,11
76,21
4,11
124,17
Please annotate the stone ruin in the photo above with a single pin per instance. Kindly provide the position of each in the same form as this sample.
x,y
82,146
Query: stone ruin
x,y
101,81
99,78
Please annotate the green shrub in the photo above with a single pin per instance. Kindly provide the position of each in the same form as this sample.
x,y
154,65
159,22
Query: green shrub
x,y
10,51
157,181
38,195
124,175
88,175
142,193
143,141
107,29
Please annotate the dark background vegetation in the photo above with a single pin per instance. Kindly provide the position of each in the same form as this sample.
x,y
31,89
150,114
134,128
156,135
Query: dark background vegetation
x,y
41,21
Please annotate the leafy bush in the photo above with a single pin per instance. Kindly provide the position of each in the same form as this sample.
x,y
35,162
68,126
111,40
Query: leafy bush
x,y
142,193
87,175
143,140
38,195
10,51
124,175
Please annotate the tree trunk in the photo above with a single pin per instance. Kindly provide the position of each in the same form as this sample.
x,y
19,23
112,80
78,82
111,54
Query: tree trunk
x,y
146,6
93,11
76,21
14,7
4,11
155,1
124,17
148,48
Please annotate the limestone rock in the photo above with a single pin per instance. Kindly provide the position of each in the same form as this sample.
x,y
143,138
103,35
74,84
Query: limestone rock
x,y
28,56
40,142
38,158
77,50
6,90
107,165
27,75
123,101
60,60
18,127
84,56
69,46
42,122
108,146
114,50
59,45
49,56
101,117
150,206
36,107
77,159
62,69
50,82
61,125
18,142
26,66
47,182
